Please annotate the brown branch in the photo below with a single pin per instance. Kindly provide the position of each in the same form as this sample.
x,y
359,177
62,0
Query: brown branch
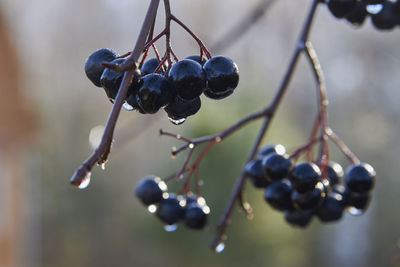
x,y
100,154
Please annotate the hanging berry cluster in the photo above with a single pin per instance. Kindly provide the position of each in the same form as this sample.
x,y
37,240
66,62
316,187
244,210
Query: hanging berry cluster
x,y
302,184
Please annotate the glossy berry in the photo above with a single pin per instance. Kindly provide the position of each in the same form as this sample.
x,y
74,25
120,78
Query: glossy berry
x,y
299,218
196,215
360,178
358,201
93,67
133,91
335,173
149,66
332,208
197,59
188,78
385,19
111,80
275,166
278,195
222,76
150,190
217,95
179,109
154,92
310,199
340,8
255,173
270,148
304,176
357,15
170,210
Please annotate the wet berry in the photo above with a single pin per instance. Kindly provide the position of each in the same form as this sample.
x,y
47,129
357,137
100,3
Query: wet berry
x,y
385,19
188,78
310,199
150,190
340,8
170,210
217,95
149,66
335,173
270,148
197,59
275,166
278,195
93,67
255,173
332,208
304,176
196,215
111,80
358,201
179,109
299,218
131,97
360,178
154,92
357,15
222,75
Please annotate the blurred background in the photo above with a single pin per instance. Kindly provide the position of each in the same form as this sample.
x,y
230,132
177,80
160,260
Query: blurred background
x,y
48,108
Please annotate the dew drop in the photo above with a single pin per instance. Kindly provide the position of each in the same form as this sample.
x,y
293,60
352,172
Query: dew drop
x,y
162,185
354,211
220,247
86,181
127,107
177,122
95,135
152,208
191,146
170,228
374,8
103,166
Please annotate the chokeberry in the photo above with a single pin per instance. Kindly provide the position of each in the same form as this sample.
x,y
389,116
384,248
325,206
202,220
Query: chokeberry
x,y
255,173
331,208
340,8
150,66
222,75
131,97
154,92
299,218
217,95
275,166
196,215
335,173
360,177
93,67
310,199
178,109
197,59
278,195
357,15
150,190
357,203
170,210
111,80
188,78
270,148
385,19
304,176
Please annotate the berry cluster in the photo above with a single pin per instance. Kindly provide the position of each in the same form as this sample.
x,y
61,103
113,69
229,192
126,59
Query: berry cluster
x,y
301,190
171,208
385,14
176,88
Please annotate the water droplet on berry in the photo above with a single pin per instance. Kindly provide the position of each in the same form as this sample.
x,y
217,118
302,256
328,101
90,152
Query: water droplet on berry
x,y
354,211
280,149
374,8
220,247
152,208
162,185
177,122
86,181
127,107
170,228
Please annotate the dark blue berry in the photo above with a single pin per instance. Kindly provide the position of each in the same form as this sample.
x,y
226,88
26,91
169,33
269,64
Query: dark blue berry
x,y
270,148
111,80
131,97
357,15
299,218
276,166
170,210
340,8
93,67
222,75
179,109
150,190
217,95
150,65
360,178
332,208
154,92
386,18
188,78
197,59
310,199
255,173
358,201
278,195
304,176
335,173
196,215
